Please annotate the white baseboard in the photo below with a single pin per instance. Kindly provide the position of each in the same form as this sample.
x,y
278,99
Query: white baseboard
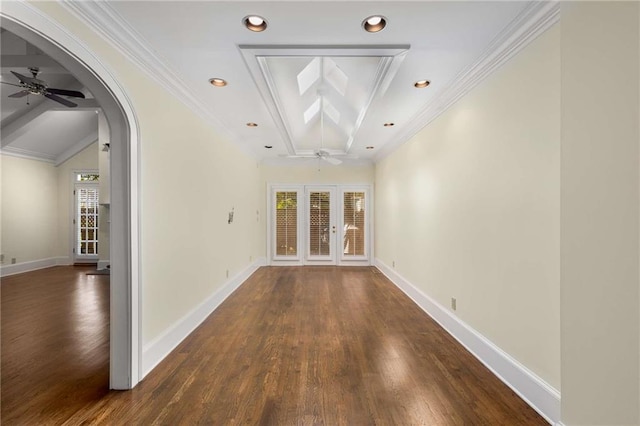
x,y
32,265
156,350
102,264
532,389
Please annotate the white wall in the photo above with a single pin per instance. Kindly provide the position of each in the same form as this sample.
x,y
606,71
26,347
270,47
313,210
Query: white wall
x,y
469,208
600,211
37,207
87,159
309,173
29,210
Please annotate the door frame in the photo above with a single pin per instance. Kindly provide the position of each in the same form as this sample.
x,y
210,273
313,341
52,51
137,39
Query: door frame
x,y
74,218
301,258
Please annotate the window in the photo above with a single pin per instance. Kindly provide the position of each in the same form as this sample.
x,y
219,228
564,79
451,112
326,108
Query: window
x,y
87,177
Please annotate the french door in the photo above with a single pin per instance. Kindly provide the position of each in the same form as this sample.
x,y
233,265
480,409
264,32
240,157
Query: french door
x,y
86,223
319,225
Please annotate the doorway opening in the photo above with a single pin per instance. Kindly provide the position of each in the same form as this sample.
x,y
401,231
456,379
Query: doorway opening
x,y
86,196
31,25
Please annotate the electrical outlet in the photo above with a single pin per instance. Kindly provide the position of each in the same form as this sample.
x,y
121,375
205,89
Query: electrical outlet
x,y
393,264
250,258
227,273
453,303
1,257
13,260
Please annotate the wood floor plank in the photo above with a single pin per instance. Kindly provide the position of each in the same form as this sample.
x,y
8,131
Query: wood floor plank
x,y
291,346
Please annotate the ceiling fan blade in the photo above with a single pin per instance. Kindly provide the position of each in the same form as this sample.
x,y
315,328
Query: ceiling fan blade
x,y
331,160
63,92
58,99
19,94
24,78
11,84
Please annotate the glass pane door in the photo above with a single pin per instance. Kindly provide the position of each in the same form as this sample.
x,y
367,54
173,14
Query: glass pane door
x,y
354,225
86,222
285,224
321,225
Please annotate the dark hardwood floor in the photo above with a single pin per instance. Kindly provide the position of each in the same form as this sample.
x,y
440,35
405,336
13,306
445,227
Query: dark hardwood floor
x,y
54,344
292,346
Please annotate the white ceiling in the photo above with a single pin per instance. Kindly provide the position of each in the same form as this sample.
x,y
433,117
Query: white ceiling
x,y
184,44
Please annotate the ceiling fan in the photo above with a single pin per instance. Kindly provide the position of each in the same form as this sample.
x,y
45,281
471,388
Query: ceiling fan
x,y
326,155
35,86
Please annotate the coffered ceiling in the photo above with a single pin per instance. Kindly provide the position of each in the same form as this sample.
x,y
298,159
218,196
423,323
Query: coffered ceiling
x,y
315,79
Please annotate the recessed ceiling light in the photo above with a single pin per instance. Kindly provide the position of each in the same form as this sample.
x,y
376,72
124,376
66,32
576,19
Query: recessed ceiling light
x,y
268,146
389,124
422,84
255,23
374,23
369,147
252,124
218,82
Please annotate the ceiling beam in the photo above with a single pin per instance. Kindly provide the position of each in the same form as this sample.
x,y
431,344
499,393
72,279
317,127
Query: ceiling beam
x,y
83,105
15,128
45,63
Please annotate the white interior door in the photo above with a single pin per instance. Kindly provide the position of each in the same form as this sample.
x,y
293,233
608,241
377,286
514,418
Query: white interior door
x,y
321,225
86,223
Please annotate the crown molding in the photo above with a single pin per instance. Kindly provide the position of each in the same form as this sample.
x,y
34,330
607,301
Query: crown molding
x,y
114,29
534,20
27,154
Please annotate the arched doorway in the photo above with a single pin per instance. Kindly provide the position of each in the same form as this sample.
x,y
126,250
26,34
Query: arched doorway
x,y
28,23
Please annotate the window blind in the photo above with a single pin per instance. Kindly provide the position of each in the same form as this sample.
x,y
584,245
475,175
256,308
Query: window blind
x,y
286,223
354,224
